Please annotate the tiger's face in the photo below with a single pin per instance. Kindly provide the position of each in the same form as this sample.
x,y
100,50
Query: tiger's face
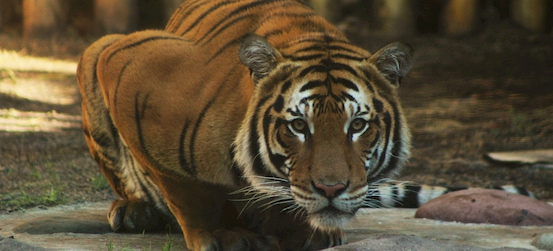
x,y
322,126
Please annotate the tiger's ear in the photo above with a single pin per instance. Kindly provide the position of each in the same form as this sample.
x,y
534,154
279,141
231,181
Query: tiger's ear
x,y
259,56
394,61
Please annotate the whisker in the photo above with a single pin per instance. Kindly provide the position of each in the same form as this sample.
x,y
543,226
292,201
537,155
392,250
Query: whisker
x,y
271,191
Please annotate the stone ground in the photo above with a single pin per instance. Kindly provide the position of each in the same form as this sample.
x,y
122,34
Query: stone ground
x,y
489,91
84,227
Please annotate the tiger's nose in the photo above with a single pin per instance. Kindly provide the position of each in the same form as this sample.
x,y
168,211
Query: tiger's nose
x,y
330,191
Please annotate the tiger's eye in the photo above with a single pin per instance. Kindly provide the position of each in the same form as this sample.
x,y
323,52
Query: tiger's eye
x,y
299,125
357,125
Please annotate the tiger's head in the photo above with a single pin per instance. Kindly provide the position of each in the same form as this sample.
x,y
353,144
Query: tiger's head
x,y
324,123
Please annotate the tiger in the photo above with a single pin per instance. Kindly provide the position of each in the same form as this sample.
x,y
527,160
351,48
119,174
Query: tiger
x,y
247,125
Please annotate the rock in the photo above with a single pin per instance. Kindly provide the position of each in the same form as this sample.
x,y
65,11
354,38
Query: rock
x,y
488,206
390,242
544,241
11,244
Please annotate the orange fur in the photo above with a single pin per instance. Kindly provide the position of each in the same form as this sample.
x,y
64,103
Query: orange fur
x,y
265,141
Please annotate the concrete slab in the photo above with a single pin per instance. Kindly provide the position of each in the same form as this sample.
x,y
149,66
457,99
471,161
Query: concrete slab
x,y
84,227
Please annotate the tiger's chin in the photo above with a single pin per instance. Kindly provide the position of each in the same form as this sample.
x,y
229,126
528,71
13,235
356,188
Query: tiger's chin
x,y
330,218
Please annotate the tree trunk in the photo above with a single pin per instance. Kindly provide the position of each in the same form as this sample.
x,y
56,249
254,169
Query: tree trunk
x,y
459,17
531,14
44,18
115,16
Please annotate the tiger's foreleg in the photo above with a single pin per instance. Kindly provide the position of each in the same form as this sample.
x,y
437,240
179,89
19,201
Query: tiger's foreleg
x,y
209,220
136,211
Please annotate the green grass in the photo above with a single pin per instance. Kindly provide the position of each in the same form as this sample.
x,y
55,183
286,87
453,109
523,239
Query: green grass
x,y
20,200
100,182
10,74
167,246
522,124
169,243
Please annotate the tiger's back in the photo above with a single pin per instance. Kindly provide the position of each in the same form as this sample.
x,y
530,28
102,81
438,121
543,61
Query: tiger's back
x,y
294,117
210,42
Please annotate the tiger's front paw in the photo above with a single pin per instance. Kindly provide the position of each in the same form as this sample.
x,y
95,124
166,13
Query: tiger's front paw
x,y
228,240
136,217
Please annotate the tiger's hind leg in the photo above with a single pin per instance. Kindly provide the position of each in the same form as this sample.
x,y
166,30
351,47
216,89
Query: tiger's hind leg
x,y
141,207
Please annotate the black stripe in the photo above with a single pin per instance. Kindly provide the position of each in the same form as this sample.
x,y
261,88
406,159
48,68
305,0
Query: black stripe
x,y
311,85
138,116
278,124
346,83
279,104
182,154
106,144
276,159
115,93
397,143
368,78
316,47
138,43
94,70
233,42
220,30
378,105
233,13
395,196
341,48
312,97
338,66
347,96
102,139
376,200
411,197
173,21
194,135
273,33
203,15
311,26
347,57
312,68
293,113
316,39
200,118
376,139
387,121
258,167
285,86
304,14
281,29
307,57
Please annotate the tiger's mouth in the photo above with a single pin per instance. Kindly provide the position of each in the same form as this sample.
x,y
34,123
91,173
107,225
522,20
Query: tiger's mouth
x,y
330,217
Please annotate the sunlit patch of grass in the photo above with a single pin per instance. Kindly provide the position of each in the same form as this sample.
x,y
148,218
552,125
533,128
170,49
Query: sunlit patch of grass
x,y
12,60
9,73
40,80
49,88
22,121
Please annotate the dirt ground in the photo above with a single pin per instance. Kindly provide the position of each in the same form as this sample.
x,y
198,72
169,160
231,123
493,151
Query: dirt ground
x,y
489,91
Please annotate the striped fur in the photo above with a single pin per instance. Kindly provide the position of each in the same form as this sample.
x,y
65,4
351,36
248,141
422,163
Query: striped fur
x,y
409,195
251,124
